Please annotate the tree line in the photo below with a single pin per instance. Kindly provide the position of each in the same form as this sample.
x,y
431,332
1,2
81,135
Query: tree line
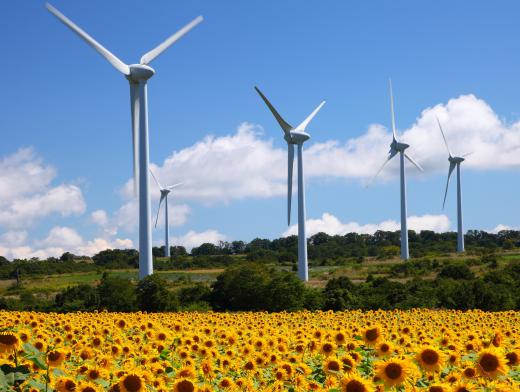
x,y
323,249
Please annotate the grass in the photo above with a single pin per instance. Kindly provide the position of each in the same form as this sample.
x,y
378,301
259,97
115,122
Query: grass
x,y
318,275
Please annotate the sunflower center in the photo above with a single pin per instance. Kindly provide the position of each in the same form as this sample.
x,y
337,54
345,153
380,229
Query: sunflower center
x,y
385,347
53,356
430,357
88,389
334,366
185,386
512,359
132,383
393,371
355,386
489,362
469,372
372,334
8,339
436,389
70,385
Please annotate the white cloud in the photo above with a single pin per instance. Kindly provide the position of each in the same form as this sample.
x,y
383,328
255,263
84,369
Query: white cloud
x,y
60,239
192,238
501,227
27,195
99,217
329,224
246,164
126,218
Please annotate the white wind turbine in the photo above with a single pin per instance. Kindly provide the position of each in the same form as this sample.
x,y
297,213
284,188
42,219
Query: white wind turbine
x,y
137,75
295,136
164,196
455,163
396,147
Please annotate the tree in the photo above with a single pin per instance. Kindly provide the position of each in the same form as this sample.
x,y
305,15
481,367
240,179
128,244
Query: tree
x,y
205,249
81,297
456,271
67,257
240,287
197,293
284,291
153,295
117,294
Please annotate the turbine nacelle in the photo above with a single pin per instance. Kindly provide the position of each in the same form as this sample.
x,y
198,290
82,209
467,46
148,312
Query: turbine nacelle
x,y
140,72
456,160
296,137
398,146
165,192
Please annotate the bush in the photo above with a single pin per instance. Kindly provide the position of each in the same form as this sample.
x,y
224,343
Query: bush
x,y
253,287
153,295
117,294
456,271
76,298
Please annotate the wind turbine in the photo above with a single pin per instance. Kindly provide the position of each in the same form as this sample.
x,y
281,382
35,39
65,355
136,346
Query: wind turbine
x,y
137,75
455,163
164,196
295,136
396,147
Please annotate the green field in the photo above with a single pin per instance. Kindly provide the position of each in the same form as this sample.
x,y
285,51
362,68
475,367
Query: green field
x,y
319,275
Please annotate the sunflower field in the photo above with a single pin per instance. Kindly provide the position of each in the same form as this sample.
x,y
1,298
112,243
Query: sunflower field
x,y
353,351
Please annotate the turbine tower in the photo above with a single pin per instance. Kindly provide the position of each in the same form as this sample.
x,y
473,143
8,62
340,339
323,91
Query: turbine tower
x,y
396,147
295,136
137,75
165,191
455,163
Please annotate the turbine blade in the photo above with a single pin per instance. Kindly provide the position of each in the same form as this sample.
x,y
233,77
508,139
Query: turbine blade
x,y
443,136
156,180
467,154
290,165
152,54
112,59
134,109
174,185
286,127
306,122
392,109
452,167
391,154
159,208
413,162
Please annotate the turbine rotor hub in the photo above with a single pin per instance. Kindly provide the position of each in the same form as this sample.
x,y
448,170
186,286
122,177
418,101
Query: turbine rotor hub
x,y
297,137
456,159
398,146
140,72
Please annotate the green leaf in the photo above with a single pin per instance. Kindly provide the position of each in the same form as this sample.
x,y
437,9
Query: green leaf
x,y
164,354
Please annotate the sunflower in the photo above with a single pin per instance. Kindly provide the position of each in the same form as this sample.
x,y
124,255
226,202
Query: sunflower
x,y
384,349
8,342
462,387
88,387
513,358
186,372
491,363
354,383
348,364
332,366
55,358
327,348
430,359
438,387
394,371
65,384
184,385
132,382
226,383
372,335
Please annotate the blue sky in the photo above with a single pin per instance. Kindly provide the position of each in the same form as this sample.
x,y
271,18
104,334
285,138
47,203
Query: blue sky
x,y
69,106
